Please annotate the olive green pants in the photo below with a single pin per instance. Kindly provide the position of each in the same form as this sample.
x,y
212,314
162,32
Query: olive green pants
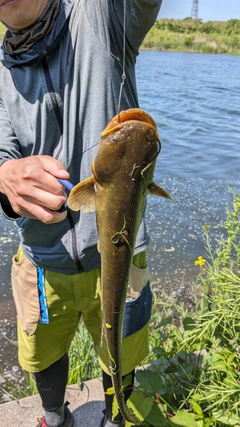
x,y
69,298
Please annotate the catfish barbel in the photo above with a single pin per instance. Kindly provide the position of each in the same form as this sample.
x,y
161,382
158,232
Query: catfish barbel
x,y
122,176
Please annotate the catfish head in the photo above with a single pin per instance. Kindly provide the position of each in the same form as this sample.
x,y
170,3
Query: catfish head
x,y
126,157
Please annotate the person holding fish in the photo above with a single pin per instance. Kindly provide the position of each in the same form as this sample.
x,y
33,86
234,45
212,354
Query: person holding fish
x,y
61,68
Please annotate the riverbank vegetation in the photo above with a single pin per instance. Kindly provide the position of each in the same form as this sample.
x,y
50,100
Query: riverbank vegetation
x,y
194,374
193,35
190,35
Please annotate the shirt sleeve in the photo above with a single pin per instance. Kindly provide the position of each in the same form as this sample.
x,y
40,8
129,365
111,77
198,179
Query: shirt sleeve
x,y
9,149
9,146
107,21
143,15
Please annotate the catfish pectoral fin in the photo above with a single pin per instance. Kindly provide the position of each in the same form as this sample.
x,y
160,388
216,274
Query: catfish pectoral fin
x,y
98,247
83,194
155,190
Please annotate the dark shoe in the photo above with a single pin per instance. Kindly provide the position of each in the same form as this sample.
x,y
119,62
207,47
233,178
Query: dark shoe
x,y
107,423
68,422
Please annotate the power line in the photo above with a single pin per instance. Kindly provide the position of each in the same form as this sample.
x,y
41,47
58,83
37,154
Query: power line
x,y
194,11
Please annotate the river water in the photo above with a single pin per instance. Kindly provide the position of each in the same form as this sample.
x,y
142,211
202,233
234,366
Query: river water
x,y
194,100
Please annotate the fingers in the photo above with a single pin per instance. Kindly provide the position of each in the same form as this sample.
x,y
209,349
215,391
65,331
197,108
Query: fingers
x,y
32,187
42,214
53,167
41,172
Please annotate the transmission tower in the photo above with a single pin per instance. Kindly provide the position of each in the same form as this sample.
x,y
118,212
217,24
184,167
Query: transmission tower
x,y
194,11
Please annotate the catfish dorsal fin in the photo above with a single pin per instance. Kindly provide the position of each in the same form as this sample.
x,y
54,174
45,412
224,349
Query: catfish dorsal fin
x,y
155,190
83,194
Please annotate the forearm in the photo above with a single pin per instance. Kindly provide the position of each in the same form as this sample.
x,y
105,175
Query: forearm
x,y
5,204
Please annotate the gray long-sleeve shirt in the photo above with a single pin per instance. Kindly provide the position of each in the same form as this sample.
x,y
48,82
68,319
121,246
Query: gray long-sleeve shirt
x,y
60,96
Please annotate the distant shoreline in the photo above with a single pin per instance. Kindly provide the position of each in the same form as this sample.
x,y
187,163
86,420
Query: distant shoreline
x,y
194,36
186,51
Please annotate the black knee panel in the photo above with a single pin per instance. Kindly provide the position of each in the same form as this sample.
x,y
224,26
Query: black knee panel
x,y
51,383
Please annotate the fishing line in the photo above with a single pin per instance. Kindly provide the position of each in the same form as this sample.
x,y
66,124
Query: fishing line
x,y
124,58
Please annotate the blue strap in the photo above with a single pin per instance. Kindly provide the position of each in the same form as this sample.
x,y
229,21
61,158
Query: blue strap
x,y
44,318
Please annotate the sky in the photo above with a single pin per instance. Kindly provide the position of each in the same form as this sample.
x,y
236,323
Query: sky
x,y
209,10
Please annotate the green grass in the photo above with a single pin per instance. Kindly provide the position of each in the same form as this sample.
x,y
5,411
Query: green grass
x,y
194,379
83,359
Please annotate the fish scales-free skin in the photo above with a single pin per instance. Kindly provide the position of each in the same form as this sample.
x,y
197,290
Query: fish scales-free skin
x,y
122,176
121,202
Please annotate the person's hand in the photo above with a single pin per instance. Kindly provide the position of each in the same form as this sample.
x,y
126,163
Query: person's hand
x,y
32,189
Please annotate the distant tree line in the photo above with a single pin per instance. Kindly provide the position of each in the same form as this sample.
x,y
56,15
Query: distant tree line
x,y
193,35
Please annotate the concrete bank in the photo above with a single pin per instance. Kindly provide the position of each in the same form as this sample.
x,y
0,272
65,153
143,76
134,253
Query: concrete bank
x,y
86,405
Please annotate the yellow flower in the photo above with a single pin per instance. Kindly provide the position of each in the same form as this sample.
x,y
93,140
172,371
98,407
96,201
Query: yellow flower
x,y
200,261
206,227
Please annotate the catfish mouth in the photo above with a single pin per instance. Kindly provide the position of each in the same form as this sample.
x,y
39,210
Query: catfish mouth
x,y
135,114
